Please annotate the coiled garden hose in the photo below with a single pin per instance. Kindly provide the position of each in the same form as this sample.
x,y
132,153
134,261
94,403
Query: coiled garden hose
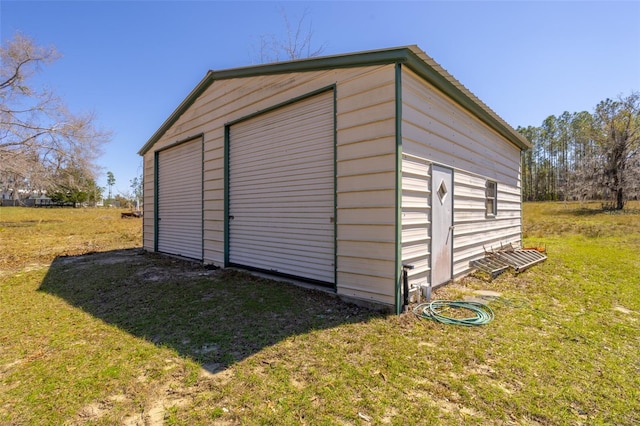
x,y
434,310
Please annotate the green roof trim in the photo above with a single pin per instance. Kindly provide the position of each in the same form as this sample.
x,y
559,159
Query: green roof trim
x,y
411,56
359,59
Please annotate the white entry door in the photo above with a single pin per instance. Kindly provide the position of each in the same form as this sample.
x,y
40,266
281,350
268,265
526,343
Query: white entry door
x,y
441,224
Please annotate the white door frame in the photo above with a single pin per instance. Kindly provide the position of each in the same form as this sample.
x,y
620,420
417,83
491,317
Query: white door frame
x,y
441,224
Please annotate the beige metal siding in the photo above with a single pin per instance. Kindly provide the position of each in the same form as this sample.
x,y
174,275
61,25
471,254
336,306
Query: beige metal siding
x,y
416,218
366,164
365,151
180,200
281,197
473,229
436,130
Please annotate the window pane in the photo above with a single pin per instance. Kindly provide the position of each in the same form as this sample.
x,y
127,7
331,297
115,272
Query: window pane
x,y
491,189
491,202
490,210
442,191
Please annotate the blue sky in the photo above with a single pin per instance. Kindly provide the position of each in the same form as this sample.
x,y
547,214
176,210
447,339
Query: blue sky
x,y
133,62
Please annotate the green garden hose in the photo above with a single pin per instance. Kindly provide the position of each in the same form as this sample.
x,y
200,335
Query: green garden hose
x,y
434,310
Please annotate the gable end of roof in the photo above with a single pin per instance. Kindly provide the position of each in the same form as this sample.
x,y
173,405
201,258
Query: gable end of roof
x,y
412,56
435,74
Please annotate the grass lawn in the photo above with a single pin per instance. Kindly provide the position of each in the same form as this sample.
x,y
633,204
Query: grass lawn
x,y
95,331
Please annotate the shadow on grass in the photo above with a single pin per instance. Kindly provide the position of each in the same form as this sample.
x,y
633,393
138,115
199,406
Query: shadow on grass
x,y
587,212
216,317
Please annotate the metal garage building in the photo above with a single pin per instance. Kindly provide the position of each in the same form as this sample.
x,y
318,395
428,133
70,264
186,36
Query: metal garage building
x,y
338,170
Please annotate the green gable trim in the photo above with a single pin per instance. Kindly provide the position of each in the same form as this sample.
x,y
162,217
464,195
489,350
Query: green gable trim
x,y
184,105
411,56
361,59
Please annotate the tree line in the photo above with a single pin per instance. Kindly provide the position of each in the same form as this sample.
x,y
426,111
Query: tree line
x,y
585,156
44,148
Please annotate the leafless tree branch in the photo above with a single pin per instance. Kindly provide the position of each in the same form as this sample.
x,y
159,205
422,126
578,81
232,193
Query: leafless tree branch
x,y
296,43
39,137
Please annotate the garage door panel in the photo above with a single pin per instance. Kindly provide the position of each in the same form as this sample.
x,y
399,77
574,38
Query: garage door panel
x,y
281,187
307,242
287,170
276,203
273,123
179,189
276,181
283,143
301,255
295,265
281,190
284,173
250,227
309,233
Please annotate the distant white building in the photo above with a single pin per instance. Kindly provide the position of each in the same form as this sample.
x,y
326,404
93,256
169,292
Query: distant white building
x,y
39,200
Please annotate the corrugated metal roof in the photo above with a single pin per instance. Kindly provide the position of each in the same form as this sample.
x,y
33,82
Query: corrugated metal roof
x,y
411,56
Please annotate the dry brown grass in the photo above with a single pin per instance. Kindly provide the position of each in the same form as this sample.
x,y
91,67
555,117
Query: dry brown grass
x,y
36,236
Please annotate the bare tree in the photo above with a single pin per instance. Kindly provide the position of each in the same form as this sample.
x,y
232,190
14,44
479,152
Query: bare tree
x,y
296,43
39,137
586,156
618,137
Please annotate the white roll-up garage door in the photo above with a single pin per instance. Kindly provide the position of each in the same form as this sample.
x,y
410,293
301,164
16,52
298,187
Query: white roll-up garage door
x,y
179,194
281,190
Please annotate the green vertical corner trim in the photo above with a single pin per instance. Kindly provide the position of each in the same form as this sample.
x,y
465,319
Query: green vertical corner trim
x,y
227,129
398,219
453,219
156,191
335,188
202,195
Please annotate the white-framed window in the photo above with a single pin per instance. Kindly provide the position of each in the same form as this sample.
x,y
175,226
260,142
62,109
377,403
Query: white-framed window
x,y
491,200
